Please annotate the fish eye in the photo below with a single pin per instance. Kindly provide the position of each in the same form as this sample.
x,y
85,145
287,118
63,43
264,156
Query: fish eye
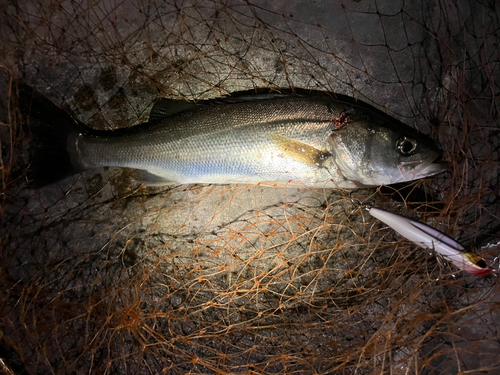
x,y
406,146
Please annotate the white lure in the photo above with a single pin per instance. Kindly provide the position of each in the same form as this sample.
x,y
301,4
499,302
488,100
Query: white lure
x,y
430,238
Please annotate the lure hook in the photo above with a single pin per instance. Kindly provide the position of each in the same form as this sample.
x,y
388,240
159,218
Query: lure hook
x,y
358,204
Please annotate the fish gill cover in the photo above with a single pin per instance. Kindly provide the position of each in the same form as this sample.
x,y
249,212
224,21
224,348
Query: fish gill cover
x,y
100,276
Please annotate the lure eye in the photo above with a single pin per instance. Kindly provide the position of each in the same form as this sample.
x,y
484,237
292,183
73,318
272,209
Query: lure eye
x,y
406,146
481,263
477,260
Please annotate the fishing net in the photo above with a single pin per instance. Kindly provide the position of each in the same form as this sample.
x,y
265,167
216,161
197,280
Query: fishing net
x,y
101,276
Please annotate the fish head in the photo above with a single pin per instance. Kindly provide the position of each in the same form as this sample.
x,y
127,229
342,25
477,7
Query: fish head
x,y
376,150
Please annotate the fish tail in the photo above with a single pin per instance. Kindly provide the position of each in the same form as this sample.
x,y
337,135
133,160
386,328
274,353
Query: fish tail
x,y
50,127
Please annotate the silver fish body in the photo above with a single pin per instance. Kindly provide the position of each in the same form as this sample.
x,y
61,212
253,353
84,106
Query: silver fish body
x,y
285,140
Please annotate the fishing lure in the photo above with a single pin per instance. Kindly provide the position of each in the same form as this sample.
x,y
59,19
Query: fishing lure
x,y
431,238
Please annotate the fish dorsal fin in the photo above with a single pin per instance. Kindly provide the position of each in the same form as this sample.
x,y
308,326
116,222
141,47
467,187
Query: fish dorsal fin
x,y
300,151
237,98
168,107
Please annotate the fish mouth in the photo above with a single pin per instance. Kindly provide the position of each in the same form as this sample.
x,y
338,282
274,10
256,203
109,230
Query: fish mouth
x,y
423,168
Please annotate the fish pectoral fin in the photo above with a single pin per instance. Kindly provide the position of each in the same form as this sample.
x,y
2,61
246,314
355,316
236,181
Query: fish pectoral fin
x,y
300,151
167,107
151,179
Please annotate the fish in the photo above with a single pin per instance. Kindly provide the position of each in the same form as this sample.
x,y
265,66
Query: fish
x,y
277,139
430,238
